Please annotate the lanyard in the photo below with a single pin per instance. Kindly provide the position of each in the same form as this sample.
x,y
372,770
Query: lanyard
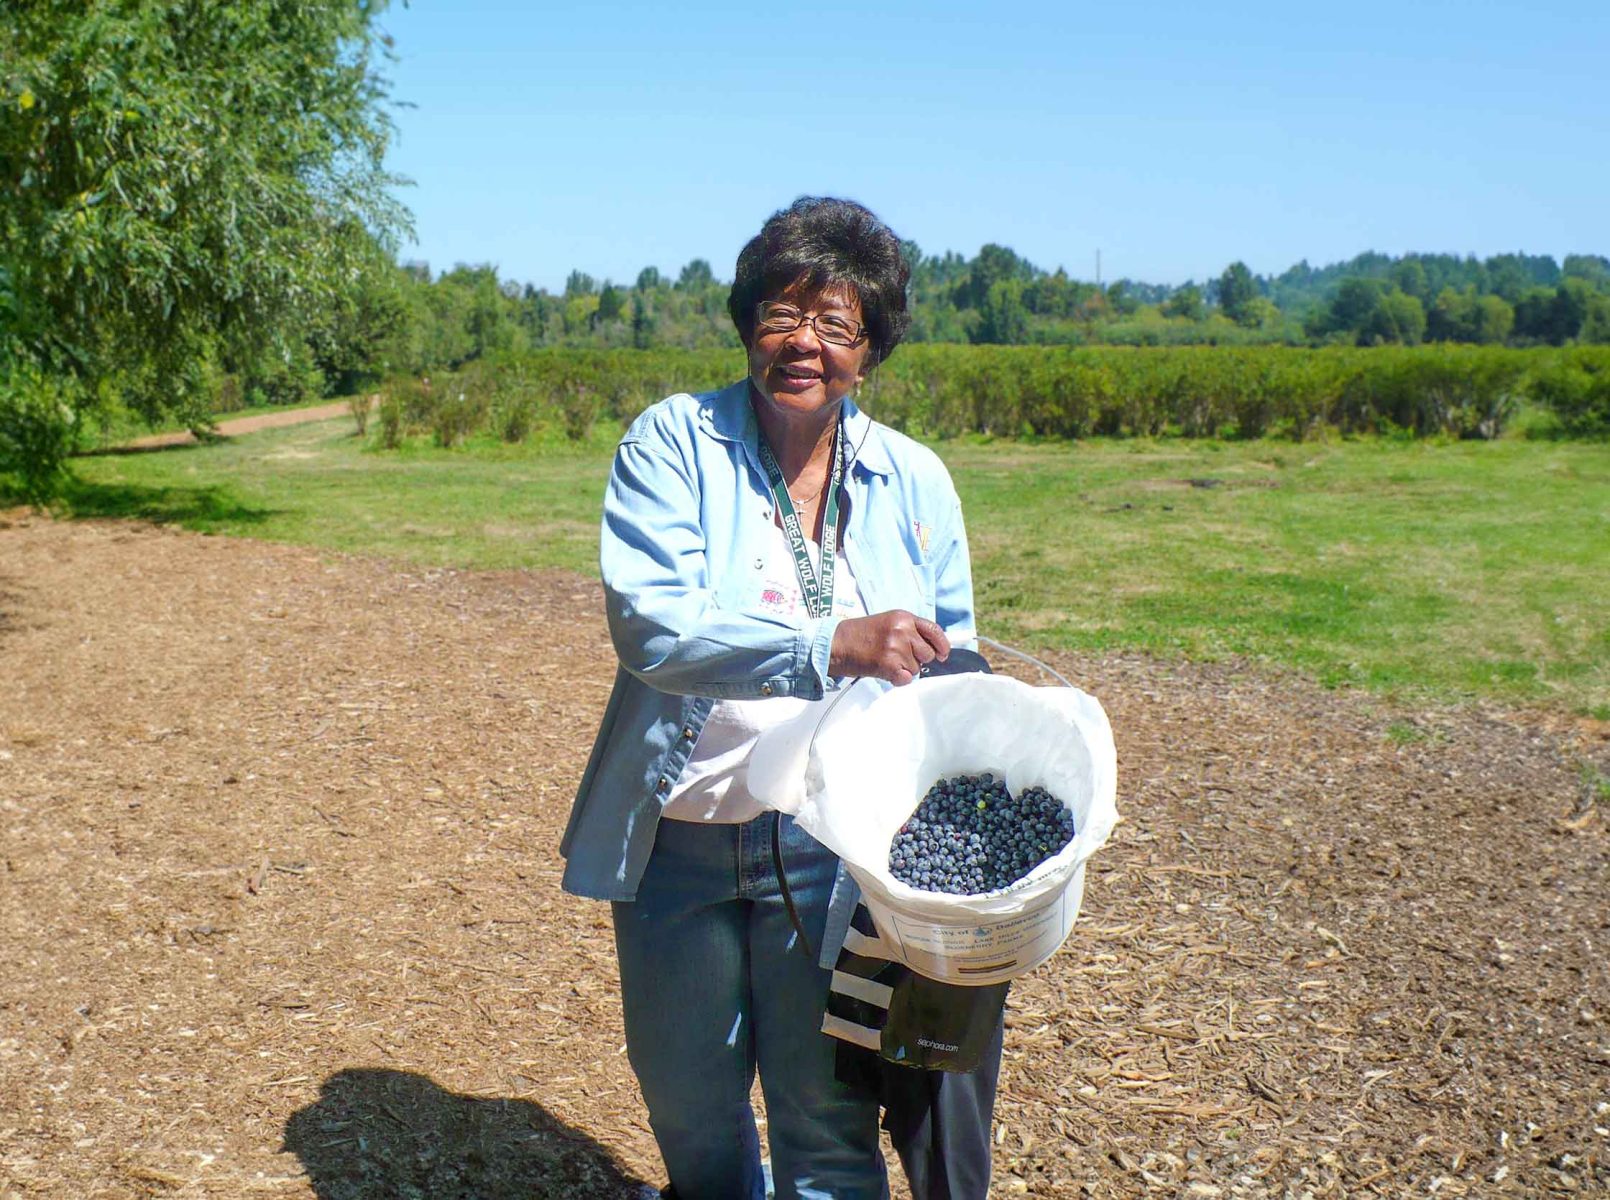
x,y
816,587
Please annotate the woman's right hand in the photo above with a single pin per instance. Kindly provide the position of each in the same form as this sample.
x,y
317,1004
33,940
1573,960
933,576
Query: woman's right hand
x,y
889,645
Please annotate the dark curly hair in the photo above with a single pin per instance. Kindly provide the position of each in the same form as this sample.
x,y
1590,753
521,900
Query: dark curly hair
x,y
817,243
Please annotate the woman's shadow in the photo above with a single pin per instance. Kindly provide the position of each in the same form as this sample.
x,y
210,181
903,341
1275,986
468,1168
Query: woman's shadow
x,y
376,1134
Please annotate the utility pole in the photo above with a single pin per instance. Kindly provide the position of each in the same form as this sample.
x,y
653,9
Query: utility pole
x,y
1098,268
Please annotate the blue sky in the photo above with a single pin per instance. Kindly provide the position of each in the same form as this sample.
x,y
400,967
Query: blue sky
x,y
1171,137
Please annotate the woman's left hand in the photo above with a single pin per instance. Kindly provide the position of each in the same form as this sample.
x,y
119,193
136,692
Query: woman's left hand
x,y
891,646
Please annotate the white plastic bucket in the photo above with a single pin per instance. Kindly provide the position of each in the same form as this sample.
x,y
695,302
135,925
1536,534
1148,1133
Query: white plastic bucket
x,y
867,771
980,950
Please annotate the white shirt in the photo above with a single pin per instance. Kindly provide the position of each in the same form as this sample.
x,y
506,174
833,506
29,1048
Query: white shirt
x,y
713,784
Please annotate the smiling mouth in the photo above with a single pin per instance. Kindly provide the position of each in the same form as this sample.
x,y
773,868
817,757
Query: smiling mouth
x,y
799,372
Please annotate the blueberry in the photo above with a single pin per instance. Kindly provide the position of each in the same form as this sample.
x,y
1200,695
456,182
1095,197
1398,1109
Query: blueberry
x,y
970,835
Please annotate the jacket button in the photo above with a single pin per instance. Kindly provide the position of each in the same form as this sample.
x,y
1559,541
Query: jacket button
x,y
759,563
765,689
662,783
687,735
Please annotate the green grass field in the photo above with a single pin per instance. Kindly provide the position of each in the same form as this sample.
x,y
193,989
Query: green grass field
x,y
1431,570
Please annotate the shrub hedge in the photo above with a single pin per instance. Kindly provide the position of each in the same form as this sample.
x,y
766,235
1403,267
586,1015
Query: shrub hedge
x,y
941,391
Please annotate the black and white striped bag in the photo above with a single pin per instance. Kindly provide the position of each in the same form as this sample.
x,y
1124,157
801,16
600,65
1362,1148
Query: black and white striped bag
x,y
906,1018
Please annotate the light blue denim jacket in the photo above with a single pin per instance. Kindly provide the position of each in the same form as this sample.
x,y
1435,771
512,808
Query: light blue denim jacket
x,y
686,518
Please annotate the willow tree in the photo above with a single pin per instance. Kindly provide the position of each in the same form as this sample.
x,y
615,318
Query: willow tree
x,y
181,181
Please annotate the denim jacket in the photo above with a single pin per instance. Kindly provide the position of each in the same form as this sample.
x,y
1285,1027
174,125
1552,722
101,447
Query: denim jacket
x,y
686,515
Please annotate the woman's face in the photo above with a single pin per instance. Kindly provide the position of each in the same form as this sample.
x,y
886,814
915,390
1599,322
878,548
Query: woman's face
x,y
797,373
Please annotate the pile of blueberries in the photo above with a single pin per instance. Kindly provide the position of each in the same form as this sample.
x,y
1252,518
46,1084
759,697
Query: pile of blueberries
x,y
969,836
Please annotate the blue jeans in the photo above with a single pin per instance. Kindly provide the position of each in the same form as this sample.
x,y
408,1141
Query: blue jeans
x,y
714,982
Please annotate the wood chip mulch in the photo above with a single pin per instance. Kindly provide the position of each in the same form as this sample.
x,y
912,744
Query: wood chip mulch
x,y
280,911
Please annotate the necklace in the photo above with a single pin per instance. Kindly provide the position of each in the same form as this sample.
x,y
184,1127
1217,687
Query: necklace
x,y
802,500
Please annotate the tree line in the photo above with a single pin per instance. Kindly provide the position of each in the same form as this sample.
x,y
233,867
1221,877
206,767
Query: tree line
x,y
999,298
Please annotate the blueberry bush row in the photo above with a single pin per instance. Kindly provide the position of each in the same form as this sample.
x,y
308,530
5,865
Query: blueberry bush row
x,y
1247,392
942,391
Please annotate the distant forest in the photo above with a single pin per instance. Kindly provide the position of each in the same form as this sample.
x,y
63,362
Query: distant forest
x,y
396,320
998,297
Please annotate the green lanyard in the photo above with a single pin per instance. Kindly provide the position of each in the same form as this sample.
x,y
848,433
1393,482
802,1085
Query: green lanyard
x,y
817,591
816,587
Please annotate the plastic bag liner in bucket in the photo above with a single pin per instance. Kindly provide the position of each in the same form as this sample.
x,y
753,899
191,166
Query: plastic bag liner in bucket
x,y
867,772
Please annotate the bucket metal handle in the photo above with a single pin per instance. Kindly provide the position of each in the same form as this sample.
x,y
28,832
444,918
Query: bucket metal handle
x,y
1029,658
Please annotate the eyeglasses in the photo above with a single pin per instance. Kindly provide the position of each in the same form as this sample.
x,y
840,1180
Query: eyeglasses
x,y
773,316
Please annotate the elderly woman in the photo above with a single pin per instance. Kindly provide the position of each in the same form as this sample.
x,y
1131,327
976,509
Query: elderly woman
x,y
760,544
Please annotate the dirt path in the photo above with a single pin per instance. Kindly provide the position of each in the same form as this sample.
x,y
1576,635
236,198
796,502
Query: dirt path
x,y
240,425
280,914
